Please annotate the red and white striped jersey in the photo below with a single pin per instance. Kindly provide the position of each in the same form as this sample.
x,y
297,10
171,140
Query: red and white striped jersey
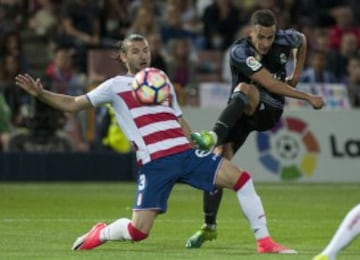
x,y
154,130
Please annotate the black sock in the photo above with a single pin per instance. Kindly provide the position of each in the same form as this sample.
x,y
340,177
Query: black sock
x,y
230,115
211,206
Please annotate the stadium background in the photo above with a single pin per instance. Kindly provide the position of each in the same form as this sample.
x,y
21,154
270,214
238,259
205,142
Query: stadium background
x,y
190,41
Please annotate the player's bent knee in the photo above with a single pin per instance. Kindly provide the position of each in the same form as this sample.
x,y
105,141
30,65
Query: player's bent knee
x,y
242,87
136,234
239,97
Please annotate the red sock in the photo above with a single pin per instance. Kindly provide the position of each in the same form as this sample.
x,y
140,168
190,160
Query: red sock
x,y
265,240
244,177
136,234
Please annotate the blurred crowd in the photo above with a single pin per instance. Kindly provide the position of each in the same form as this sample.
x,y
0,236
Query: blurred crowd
x,y
189,40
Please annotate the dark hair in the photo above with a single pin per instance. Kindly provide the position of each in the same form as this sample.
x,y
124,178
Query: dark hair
x,y
123,45
263,17
5,41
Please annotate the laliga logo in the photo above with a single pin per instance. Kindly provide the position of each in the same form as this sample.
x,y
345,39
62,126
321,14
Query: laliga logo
x,y
289,149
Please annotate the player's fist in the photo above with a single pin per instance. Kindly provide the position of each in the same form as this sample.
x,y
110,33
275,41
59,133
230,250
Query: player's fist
x,y
317,102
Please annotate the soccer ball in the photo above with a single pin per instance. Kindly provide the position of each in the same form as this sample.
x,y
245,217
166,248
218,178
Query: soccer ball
x,y
151,86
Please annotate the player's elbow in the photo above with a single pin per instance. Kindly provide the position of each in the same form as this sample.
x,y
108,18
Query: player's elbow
x,y
72,109
76,104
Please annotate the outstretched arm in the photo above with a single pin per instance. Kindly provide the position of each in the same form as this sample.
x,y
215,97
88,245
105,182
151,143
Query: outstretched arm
x,y
61,102
265,79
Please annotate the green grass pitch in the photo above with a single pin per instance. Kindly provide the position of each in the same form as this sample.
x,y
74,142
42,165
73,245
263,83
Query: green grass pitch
x,y
41,221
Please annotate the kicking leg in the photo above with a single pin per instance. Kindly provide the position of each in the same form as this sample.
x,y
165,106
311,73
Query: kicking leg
x,y
244,99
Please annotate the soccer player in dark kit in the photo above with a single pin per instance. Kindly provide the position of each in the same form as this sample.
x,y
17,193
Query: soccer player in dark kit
x,y
256,103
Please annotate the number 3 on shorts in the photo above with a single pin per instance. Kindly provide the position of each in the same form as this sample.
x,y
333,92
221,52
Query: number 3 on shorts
x,y
142,181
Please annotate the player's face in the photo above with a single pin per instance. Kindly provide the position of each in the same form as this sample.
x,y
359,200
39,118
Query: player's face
x,y
137,56
262,38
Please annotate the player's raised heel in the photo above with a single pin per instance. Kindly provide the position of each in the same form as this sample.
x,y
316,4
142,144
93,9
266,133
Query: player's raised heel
x,y
268,246
89,240
204,234
205,140
321,257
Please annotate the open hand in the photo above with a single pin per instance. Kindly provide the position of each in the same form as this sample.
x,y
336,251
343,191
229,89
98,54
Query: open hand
x,y
31,86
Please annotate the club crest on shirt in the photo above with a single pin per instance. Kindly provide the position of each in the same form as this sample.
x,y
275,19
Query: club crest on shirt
x,y
283,58
253,63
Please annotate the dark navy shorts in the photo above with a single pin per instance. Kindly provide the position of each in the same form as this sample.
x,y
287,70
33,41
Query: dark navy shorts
x,y
267,114
157,178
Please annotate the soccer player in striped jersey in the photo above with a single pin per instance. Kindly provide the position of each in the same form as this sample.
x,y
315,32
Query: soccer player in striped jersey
x,y
164,153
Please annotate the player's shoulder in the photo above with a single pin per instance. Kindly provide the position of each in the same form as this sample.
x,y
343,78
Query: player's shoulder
x,y
116,82
288,37
241,49
121,78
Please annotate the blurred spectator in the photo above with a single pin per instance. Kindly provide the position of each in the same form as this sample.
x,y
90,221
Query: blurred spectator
x,y
5,121
43,19
273,5
321,40
157,52
221,21
319,11
155,7
355,7
114,20
286,11
338,59
344,24
12,44
15,97
316,72
173,27
181,69
188,14
190,20
243,32
353,80
202,5
80,22
12,15
307,27
144,22
110,135
290,13
63,79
